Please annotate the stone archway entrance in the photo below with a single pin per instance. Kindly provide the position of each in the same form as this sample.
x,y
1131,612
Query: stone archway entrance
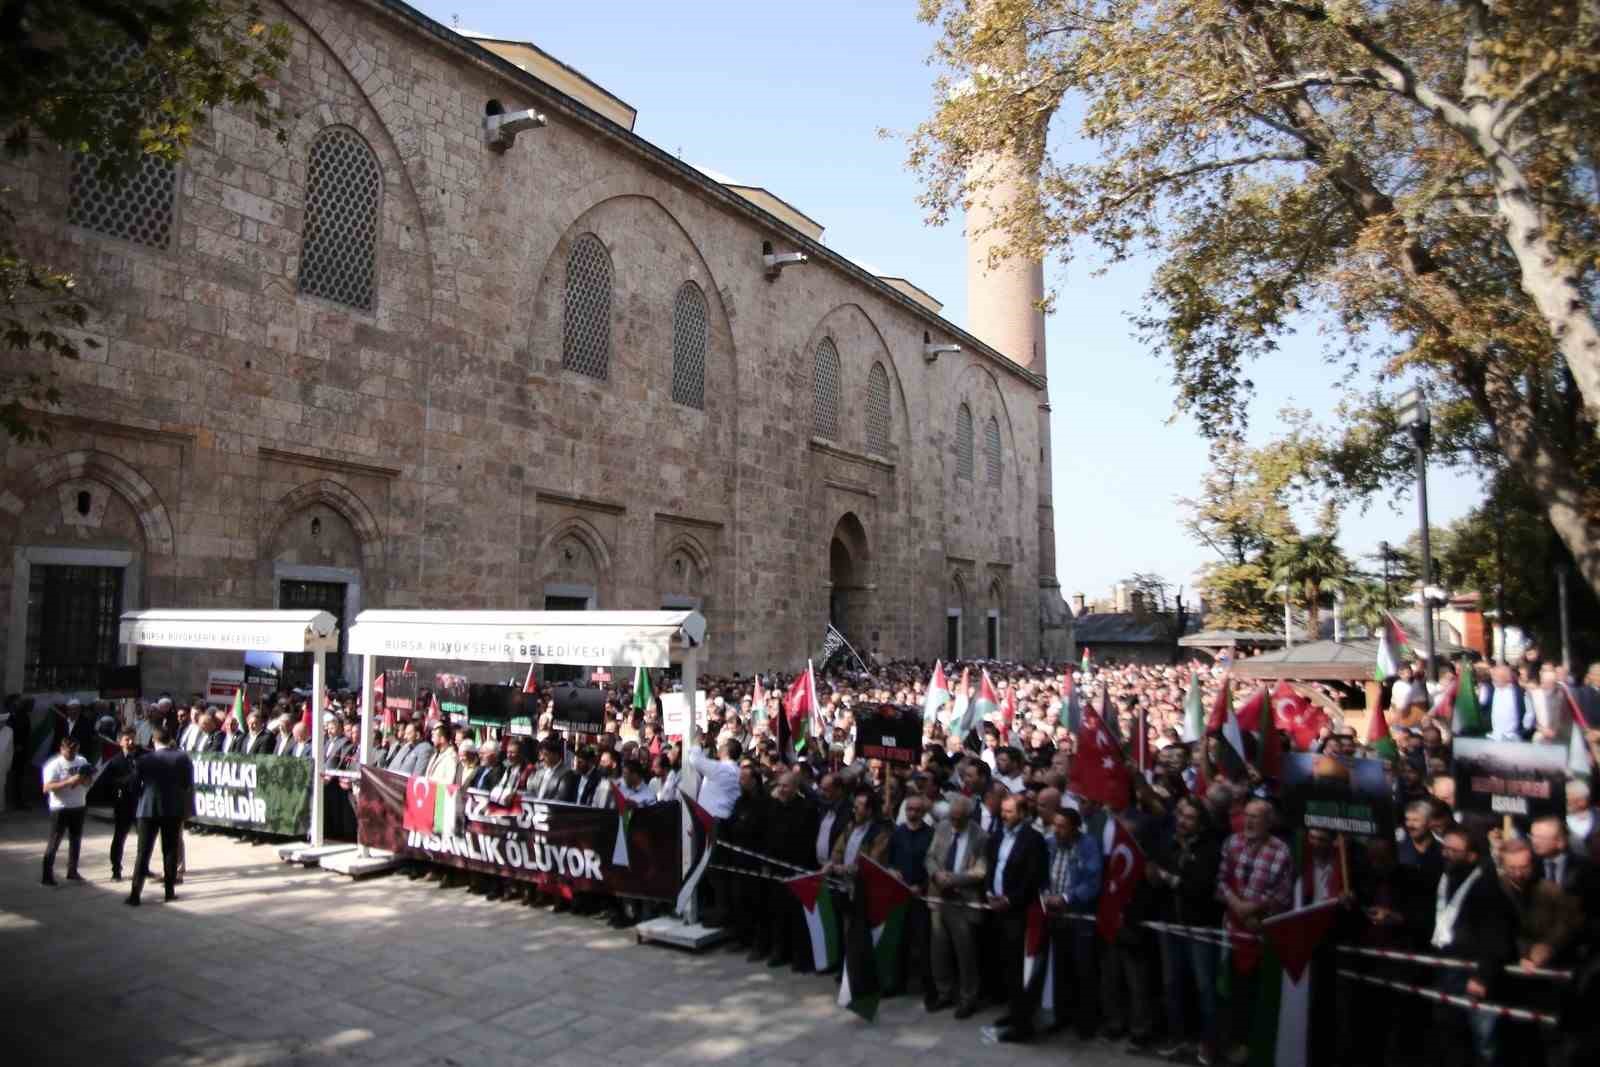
x,y
850,588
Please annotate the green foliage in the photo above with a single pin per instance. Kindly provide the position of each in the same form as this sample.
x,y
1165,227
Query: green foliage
x,y
61,87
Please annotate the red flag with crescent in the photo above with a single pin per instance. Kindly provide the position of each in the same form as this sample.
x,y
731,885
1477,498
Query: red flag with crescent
x,y
419,804
1124,872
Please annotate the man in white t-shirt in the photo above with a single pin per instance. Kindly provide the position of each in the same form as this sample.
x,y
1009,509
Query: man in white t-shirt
x,y
66,787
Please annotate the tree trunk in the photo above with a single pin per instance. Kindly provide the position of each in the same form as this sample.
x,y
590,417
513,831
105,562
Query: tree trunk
x,y
1313,612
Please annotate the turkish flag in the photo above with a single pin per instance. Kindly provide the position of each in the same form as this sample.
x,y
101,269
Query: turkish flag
x,y
1296,934
1294,713
1099,772
1249,713
1124,872
420,796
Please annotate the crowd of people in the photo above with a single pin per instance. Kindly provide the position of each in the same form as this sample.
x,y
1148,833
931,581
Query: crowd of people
x,y
983,821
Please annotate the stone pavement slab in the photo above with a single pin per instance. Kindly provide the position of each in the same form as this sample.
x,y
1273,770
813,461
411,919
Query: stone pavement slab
x,y
260,962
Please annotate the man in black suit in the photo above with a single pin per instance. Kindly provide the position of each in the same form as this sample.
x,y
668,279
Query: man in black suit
x,y
166,796
1552,850
72,721
122,779
258,740
584,762
1018,863
789,834
486,774
1474,921
553,781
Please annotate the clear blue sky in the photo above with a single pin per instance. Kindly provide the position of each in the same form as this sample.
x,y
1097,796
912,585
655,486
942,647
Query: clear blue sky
x,y
791,97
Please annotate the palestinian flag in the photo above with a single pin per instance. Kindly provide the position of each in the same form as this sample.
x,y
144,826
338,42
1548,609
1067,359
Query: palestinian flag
x,y
1071,714
619,851
822,923
1083,667
758,704
1281,1030
872,943
642,696
235,718
1038,961
799,710
432,808
1467,718
708,823
1580,763
1378,738
959,705
1225,724
1393,649
1194,711
938,694
987,704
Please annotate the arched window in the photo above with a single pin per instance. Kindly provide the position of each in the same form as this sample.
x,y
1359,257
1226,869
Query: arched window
x,y
964,442
344,191
991,449
586,318
689,347
134,204
878,410
825,390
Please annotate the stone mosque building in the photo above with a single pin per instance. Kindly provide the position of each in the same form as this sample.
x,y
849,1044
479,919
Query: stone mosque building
x,y
432,354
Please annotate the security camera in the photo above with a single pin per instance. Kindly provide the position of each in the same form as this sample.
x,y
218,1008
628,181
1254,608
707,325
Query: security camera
x,y
776,262
502,130
933,352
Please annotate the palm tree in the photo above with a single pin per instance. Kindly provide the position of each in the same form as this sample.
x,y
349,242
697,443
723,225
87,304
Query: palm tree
x,y
1313,564
1364,605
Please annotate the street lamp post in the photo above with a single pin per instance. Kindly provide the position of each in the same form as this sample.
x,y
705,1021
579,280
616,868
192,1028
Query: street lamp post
x,y
1413,416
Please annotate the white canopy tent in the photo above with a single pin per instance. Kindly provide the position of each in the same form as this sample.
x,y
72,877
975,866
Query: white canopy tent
x,y
624,639
315,632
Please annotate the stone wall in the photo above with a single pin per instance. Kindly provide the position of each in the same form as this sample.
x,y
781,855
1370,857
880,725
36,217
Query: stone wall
x,y
451,460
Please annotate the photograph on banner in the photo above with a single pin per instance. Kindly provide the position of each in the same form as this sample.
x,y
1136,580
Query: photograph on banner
x,y
890,732
1342,796
1510,778
120,683
400,692
263,669
675,712
578,709
562,847
453,691
267,794
491,704
222,685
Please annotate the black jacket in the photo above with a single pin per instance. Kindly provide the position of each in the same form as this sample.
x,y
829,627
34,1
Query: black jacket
x,y
1193,900
1485,930
121,782
166,784
791,832
1026,869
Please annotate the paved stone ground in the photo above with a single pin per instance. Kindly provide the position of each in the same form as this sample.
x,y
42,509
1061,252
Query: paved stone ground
x,y
260,962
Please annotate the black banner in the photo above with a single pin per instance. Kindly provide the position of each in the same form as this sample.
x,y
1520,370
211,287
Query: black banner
x,y
564,847
270,794
451,689
400,691
890,732
579,709
1322,792
120,683
1510,777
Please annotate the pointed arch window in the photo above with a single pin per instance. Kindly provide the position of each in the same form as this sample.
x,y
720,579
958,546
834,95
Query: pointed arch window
x,y
964,442
586,315
339,246
825,390
991,450
878,410
689,347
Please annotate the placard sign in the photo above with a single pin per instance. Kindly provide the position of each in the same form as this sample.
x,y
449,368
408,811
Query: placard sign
x,y
222,685
675,712
1510,777
400,691
1322,792
892,733
578,709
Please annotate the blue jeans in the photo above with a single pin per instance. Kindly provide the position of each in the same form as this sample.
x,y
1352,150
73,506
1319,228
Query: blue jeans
x,y
1483,1026
1189,966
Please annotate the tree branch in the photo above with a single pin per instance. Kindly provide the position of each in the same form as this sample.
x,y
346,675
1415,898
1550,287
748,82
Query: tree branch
x,y
1203,168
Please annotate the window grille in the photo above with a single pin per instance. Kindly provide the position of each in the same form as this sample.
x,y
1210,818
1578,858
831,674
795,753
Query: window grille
x,y
991,449
73,613
964,442
339,250
825,390
586,319
689,347
878,410
134,205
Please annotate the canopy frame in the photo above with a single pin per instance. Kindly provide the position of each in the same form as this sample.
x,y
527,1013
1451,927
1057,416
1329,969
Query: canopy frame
x,y
314,632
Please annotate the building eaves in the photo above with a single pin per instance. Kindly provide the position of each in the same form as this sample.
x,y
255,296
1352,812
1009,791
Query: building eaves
x,y
556,99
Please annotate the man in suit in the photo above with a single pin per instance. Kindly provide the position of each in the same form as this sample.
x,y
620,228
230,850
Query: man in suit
x,y
300,747
166,792
419,755
788,835
590,780
122,779
1557,863
485,770
399,755
72,721
1018,860
283,734
1474,921
257,741
867,835
958,864
832,816
553,780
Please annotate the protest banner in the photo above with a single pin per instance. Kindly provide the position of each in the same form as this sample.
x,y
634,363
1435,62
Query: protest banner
x,y
565,848
1510,777
890,732
400,692
1323,792
452,691
222,685
578,709
263,668
268,794
675,712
